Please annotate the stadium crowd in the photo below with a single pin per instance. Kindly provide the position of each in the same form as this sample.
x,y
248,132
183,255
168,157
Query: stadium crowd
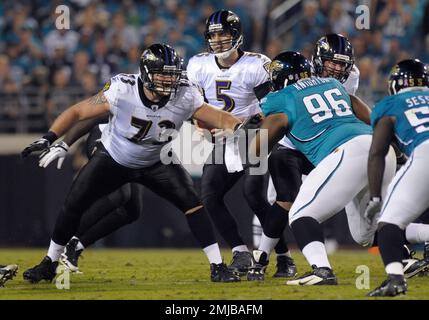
x,y
43,70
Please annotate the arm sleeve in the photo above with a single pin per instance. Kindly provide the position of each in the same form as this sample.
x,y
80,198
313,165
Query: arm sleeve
x,y
262,90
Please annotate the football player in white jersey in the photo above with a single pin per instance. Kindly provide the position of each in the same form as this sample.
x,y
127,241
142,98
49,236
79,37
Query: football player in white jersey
x,y
232,80
7,272
106,215
142,107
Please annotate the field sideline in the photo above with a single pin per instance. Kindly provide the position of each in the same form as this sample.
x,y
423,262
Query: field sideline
x,y
184,274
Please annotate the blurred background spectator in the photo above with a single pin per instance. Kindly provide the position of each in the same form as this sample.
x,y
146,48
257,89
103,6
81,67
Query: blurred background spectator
x,y
43,69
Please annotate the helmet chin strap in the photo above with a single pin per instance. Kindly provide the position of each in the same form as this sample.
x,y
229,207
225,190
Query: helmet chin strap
x,y
225,54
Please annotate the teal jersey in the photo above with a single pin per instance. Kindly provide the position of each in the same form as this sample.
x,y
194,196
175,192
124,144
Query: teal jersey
x,y
411,111
320,117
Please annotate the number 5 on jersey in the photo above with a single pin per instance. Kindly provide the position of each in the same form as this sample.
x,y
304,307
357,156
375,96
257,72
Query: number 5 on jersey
x,y
421,124
228,102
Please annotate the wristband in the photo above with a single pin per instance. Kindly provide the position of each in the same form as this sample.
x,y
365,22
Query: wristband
x,y
50,136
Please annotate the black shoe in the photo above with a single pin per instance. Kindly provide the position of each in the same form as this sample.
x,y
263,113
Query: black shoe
x,y
7,273
241,261
70,256
257,269
221,273
319,276
45,270
392,286
286,267
413,266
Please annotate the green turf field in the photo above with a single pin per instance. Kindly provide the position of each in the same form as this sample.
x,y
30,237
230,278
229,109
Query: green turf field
x,y
184,274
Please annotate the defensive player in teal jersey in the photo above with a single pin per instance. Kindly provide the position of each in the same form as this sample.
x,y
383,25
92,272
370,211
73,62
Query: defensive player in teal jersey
x,y
327,126
404,116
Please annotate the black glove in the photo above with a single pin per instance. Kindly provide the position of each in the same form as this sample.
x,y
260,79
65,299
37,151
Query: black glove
x,y
41,144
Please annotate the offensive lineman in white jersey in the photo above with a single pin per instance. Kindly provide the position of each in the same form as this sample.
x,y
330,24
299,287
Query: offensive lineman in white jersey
x,y
234,81
144,110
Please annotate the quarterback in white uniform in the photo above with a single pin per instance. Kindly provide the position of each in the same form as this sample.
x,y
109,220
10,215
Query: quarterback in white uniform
x,y
144,110
234,81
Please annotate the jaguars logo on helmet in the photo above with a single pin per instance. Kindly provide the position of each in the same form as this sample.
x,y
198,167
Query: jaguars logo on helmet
x,y
287,68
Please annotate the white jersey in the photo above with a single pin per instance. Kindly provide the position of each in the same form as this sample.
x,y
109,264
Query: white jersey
x,y
230,89
135,133
351,85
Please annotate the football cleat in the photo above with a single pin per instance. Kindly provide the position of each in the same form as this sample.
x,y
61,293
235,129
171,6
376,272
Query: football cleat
x,y
259,265
411,265
221,273
45,270
392,286
7,273
319,276
70,256
241,261
286,267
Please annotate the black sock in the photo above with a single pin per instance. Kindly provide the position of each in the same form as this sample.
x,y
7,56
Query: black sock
x,y
106,226
391,239
201,227
223,220
306,230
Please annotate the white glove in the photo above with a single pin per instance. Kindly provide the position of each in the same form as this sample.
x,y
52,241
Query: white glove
x,y
373,208
57,151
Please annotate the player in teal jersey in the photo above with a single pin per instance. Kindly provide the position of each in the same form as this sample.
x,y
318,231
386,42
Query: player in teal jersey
x,y
327,126
404,116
